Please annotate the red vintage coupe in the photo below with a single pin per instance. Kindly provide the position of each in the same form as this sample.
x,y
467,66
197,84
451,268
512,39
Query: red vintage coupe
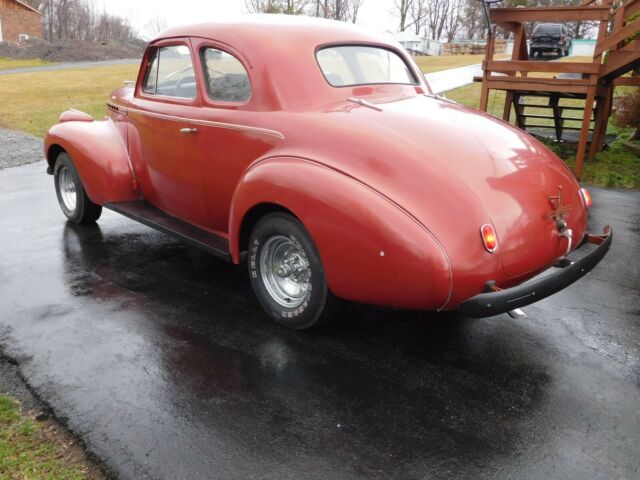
x,y
317,152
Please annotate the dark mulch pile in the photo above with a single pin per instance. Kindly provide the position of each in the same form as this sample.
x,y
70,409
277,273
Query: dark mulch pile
x,y
73,51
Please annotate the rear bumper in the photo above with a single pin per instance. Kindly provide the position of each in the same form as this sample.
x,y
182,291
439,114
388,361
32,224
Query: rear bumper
x,y
546,46
501,301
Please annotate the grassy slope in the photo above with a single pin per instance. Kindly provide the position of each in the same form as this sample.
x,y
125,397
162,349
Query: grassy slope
x,y
33,102
9,63
32,450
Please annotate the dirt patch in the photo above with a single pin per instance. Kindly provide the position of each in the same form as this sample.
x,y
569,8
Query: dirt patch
x,y
73,51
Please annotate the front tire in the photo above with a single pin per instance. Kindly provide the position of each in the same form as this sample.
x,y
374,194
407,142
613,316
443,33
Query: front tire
x,y
286,273
73,200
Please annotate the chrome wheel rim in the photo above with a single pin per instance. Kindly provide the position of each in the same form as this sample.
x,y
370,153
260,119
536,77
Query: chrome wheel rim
x,y
285,271
67,188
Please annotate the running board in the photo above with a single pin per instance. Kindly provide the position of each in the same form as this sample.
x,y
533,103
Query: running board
x,y
147,214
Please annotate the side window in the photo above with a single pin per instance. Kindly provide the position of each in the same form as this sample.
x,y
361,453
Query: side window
x,y
226,78
171,73
152,74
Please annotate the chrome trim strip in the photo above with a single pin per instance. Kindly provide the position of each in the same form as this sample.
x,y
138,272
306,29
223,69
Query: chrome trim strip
x,y
208,123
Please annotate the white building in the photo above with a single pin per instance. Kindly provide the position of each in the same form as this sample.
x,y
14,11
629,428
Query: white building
x,y
410,42
418,45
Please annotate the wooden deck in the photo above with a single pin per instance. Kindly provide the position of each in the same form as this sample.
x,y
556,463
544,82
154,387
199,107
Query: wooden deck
x,y
593,82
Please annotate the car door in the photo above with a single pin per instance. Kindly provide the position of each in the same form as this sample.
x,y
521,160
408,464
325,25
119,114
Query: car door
x,y
237,129
164,130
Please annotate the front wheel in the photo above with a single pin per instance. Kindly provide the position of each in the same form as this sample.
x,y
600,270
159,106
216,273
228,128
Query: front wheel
x,y
286,273
73,200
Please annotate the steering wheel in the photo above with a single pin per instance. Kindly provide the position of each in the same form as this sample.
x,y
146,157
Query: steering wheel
x,y
181,83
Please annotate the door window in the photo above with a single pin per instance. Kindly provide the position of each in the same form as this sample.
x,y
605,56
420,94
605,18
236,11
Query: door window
x,y
171,73
226,78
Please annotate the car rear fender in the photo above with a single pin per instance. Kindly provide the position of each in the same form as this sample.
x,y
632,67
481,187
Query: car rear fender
x,y
371,249
98,153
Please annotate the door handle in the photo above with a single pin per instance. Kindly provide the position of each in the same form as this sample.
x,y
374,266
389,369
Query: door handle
x,y
188,130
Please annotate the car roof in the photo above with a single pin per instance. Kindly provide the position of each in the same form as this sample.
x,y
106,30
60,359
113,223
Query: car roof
x,y
284,46
261,28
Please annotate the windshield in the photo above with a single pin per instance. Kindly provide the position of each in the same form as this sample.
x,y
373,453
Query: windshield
x,y
344,66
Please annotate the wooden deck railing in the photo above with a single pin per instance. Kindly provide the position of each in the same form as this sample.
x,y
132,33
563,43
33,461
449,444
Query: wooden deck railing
x,y
617,52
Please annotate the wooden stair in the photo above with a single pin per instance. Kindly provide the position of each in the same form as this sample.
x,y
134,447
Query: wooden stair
x,y
617,53
556,115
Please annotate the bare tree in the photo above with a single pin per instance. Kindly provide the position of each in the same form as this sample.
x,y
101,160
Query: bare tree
x,y
259,6
343,10
436,17
354,9
79,20
289,7
418,14
473,19
453,19
403,7
156,25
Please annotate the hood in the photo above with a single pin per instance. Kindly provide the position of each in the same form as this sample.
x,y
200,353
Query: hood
x,y
455,169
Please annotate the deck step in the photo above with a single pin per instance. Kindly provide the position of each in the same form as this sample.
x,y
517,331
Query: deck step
x,y
530,115
145,213
577,129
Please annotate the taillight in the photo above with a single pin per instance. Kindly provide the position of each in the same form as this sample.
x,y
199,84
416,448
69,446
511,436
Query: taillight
x,y
586,197
489,237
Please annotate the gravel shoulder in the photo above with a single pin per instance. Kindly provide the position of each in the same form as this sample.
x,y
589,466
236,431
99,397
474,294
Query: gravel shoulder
x,y
18,148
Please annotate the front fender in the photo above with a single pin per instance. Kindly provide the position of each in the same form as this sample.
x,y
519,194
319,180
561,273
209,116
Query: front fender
x,y
100,156
372,251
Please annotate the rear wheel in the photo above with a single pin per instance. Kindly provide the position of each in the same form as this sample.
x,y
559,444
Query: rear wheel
x,y
73,200
286,273
532,52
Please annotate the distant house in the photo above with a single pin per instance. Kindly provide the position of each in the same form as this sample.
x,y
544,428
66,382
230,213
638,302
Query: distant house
x,y
418,45
19,21
410,42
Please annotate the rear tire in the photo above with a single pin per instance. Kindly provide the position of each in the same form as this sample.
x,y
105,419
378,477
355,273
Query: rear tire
x,y
286,273
73,200
532,53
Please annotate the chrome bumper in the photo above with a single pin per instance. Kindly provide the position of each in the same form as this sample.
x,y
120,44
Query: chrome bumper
x,y
496,301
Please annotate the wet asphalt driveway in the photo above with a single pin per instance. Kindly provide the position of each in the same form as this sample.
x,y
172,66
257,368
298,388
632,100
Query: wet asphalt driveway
x,y
162,362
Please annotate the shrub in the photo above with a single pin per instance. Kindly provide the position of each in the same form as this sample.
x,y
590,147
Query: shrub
x,y
628,113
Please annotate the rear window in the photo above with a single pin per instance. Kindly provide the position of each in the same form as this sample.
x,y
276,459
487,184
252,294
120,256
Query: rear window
x,y
548,29
350,65
226,78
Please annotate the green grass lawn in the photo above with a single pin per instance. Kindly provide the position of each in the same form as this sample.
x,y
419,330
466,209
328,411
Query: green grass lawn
x,y
435,64
31,450
32,102
9,63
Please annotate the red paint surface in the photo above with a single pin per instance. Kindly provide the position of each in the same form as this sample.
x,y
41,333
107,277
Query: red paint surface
x,y
394,199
